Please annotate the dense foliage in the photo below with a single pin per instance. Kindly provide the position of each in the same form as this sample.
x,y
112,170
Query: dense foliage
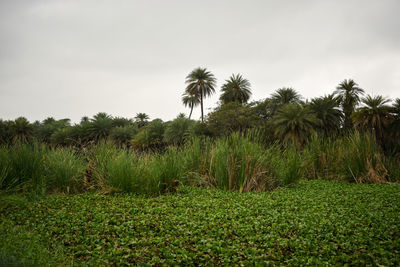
x,y
241,146
237,162
316,223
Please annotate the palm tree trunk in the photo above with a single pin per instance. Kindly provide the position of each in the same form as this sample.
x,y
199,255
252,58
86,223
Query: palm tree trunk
x,y
191,110
201,102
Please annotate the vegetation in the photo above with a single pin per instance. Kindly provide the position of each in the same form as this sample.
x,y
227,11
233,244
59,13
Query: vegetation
x,y
240,146
200,83
349,95
315,223
190,100
236,89
185,178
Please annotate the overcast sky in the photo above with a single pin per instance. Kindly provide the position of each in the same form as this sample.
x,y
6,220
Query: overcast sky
x,y
68,59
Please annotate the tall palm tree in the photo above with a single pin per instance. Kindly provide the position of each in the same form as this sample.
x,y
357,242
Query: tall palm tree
x,y
190,100
375,114
349,94
327,110
142,119
201,82
294,123
235,89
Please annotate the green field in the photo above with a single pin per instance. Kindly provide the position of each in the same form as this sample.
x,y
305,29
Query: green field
x,y
315,222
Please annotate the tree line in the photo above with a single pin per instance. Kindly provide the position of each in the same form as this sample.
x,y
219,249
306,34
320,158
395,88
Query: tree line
x,y
285,117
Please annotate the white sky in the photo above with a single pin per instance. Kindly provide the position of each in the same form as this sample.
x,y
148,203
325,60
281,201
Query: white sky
x,y
68,59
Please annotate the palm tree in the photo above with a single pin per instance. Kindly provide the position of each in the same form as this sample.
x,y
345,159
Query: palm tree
x,y
349,94
22,130
294,123
191,101
85,119
395,125
374,114
100,126
235,89
141,119
201,82
122,135
177,130
327,110
284,96
396,108
102,115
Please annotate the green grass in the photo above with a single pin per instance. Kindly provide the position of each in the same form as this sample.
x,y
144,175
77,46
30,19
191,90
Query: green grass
x,y
313,223
236,162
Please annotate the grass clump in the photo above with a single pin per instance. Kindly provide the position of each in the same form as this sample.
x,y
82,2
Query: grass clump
x,y
354,158
64,170
237,164
21,167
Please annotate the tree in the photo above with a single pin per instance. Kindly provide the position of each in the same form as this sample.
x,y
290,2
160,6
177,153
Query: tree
x,y
150,136
85,119
6,131
100,126
394,128
202,83
44,130
21,129
141,119
282,97
294,124
235,89
349,95
327,110
69,135
375,115
190,100
176,130
231,117
122,122
122,135
263,109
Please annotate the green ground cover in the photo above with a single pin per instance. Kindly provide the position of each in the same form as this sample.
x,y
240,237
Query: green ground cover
x,y
315,222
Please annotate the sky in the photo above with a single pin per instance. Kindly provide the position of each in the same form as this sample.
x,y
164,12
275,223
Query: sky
x,y
69,59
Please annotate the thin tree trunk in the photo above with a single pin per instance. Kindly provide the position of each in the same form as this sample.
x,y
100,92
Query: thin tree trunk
x,y
201,102
191,110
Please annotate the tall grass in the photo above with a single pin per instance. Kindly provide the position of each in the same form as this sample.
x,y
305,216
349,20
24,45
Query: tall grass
x,y
237,162
363,159
64,170
130,171
21,167
354,158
